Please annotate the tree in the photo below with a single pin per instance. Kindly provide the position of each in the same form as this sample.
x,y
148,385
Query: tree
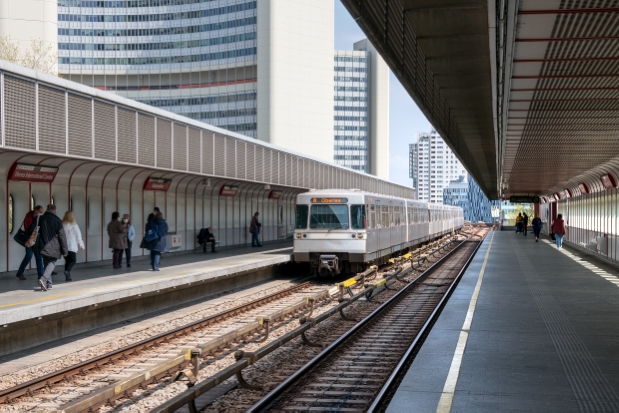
x,y
39,56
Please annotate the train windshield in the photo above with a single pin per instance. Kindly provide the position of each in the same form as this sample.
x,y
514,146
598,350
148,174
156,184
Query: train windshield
x,y
300,220
329,217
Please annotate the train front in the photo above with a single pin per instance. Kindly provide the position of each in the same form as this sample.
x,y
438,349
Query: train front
x,y
330,231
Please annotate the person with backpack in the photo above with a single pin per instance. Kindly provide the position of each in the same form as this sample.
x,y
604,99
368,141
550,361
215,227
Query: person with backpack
x,y
156,238
51,243
118,238
74,241
254,229
558,229
30,217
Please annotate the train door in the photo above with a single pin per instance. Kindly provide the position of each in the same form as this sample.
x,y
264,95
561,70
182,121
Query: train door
x,y
373,233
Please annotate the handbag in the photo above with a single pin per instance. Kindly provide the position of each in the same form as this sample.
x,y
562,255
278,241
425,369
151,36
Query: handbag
x,y
143,243
21,237
32,239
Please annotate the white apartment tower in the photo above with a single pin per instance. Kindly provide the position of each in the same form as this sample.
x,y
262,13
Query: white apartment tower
x,y
261,68
432,167
362,110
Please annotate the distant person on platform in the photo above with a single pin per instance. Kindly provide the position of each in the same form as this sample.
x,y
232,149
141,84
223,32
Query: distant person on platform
x,y
537,227
117,230
519,223
52,243
205,236
130,237
159,243
558,228
254,229
31,217
74,241
525,222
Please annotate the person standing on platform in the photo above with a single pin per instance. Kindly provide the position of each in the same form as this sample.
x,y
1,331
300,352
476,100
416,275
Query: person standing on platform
x,y
117,232
51,244
159,244
519,223
130,238
30,217
558,228
525,222
537,227
254,229
74,241
205,236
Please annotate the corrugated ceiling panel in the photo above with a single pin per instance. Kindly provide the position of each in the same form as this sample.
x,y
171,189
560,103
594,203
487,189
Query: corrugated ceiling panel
x,y
230,158
164,144
194,150
52,120
220,156
208,153
251,162
241,159
180,147
259,164
80,125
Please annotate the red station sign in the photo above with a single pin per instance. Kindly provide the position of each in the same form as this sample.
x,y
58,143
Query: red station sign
x,y
608,181
228,190
275,194
157,184
584,189
32,173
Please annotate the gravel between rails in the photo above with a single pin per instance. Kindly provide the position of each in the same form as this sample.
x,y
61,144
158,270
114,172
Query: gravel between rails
x,y
24,375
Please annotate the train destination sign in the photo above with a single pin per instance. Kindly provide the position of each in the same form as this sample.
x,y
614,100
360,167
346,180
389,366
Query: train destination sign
x,y
329,200
32,173
157,184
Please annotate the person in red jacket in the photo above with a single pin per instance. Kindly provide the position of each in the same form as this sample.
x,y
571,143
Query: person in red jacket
x,y
558,228
30,217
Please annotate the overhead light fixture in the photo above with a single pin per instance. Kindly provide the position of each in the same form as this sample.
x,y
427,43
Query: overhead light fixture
x,y
267,186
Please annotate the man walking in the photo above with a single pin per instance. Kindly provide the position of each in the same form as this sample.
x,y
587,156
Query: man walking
x,y
31,217
52,243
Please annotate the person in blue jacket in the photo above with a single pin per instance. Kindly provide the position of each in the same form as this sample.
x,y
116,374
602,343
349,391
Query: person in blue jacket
x,y
158,245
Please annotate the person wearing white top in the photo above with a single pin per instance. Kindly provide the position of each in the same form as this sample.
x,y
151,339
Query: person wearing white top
x,y
74,241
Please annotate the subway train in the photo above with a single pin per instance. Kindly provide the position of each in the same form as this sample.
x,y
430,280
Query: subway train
x,y
344,231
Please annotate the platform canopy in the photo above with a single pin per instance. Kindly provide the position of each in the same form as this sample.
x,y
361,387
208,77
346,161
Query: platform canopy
x,y
525,92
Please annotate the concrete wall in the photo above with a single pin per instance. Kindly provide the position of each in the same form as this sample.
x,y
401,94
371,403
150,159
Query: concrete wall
x,y
295,75
25,20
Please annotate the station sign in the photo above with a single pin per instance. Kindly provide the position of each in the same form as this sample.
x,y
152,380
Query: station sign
x,y
32,173
584,189
228,190
329,200
524,199
157,184
608,181
275,194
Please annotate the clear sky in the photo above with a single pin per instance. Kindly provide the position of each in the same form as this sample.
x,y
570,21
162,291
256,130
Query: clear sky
x,y
405,118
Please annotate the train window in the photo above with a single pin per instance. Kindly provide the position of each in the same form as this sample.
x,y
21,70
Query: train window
x,y
357,216
329,217
396,216
372,217
300,218
384,216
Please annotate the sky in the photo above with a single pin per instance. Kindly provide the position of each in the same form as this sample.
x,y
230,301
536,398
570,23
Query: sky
x,y
405,118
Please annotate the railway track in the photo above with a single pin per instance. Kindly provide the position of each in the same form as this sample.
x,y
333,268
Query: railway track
x,y
349,374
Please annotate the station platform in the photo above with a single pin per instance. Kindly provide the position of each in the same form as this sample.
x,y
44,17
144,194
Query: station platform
x,y
529,328
99,296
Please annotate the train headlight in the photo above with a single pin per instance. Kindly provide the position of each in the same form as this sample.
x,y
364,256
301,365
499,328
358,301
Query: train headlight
x,y
298,235
360,235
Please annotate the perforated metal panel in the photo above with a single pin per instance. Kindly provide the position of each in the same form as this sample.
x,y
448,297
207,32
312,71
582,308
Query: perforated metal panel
x,y
52,120
208,153
126,136
230,157
287,165
268,160
220,155
80,125
164,144
294,167
105,131
180,147
250,162
259,164
146,140
241,159
20,127
275,167
194,150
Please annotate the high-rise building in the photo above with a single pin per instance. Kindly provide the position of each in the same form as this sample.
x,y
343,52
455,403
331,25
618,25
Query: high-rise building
x,y
456,193
479,208
362,110
432,166
261,68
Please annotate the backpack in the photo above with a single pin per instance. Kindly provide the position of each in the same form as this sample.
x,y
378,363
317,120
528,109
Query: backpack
x,y
151,233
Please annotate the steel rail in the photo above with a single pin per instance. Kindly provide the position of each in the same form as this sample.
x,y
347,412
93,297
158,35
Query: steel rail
x,y
7,395
282,387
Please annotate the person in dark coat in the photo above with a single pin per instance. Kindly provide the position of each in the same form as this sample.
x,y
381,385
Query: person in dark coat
x,y
28,219
205,236
51,244
537,227
117,231
160,245
525,222
254,229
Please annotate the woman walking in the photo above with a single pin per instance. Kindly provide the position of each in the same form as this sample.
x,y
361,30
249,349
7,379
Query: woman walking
x,y
74,241
157,225
118,238
130,237
558,228
537,227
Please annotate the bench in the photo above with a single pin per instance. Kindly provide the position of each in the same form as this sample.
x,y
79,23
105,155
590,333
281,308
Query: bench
x,y
199,247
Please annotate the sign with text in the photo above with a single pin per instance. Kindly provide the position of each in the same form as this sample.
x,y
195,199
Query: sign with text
x,y
524,199
32,173
157,184
275,194
329,200
228,190
608,181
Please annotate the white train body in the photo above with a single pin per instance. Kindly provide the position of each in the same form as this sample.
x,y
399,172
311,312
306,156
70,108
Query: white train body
x,y
340,230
